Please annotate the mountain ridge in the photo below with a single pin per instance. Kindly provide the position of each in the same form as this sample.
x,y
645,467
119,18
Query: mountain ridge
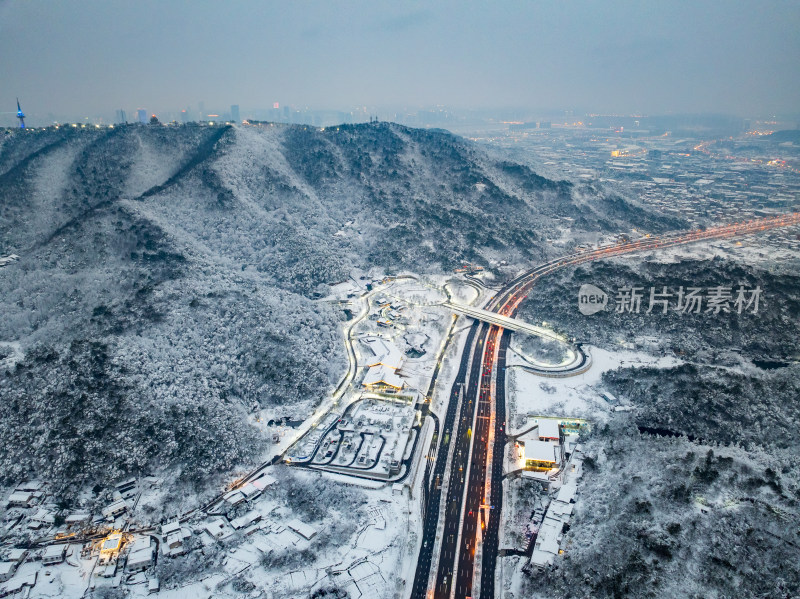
x,y
167,275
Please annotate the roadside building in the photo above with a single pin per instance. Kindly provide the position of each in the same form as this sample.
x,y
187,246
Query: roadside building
x,y
77,519
547,542
264,482
540,455
234,497
549,430
111,544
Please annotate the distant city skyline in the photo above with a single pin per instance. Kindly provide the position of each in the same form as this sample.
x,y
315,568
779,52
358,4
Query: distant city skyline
x,y
92,58
430,116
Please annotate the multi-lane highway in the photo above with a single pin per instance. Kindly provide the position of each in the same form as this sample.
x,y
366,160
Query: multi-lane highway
x,y
469,460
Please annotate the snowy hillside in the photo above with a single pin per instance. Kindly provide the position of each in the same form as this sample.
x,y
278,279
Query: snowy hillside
x,y
167,275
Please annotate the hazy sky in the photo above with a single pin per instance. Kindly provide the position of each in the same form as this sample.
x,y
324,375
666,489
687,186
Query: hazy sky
x,y
653,56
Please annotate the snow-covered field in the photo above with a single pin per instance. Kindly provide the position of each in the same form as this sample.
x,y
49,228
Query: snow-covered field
x,y
578,396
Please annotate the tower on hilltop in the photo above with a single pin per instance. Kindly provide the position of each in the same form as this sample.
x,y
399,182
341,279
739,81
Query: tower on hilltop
x,y
20,116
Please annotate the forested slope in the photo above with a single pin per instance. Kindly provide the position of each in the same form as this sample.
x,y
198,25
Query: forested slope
x,y
167,276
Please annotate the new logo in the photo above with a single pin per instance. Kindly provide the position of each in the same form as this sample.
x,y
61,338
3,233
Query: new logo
x,y
591,299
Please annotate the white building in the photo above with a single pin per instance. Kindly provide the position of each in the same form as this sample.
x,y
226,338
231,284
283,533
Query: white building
x,y
42,519
384,353
548,430
16,554
539,455
304,530
77,519
382,376
218,529
263,482
547,542
385,361
114,510
20,499
141,554
54,554
246,520
173,539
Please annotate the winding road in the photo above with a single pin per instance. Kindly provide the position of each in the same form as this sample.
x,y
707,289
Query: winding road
x,y
469,459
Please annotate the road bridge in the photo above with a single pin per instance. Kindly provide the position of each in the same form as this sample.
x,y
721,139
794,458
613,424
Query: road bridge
x,y
507,322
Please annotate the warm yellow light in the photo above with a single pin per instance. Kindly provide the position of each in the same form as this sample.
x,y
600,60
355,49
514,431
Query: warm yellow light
x,y
111,543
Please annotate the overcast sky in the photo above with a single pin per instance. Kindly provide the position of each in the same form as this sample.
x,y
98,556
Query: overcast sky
x,y
90,57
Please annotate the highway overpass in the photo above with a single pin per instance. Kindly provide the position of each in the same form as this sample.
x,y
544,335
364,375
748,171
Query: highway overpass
x,y
512,324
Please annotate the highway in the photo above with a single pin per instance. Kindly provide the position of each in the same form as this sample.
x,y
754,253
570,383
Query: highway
x,y
473,466
468,461
434,482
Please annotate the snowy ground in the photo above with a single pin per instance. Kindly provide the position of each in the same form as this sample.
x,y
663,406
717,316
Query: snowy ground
x,y
529,397
576,396
366,532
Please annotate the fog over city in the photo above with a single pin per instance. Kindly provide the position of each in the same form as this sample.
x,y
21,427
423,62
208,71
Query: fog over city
x,y
89,58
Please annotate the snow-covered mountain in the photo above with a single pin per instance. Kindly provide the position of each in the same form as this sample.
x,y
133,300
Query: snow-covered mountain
x,y
166,275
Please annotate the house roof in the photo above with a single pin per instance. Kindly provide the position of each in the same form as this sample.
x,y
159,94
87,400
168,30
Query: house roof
x,y
140,556
170,527
384,353
54,551
20,497
383,374
140,543
546,547
541,451
301,528
263,482
567,492
548,429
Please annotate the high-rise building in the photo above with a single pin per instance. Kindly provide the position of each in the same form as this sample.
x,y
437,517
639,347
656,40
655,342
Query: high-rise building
x,y
235,113
121,116
184,116
141,116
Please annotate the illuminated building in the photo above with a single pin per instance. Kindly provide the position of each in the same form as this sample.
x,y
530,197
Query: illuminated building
x,y
540,455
